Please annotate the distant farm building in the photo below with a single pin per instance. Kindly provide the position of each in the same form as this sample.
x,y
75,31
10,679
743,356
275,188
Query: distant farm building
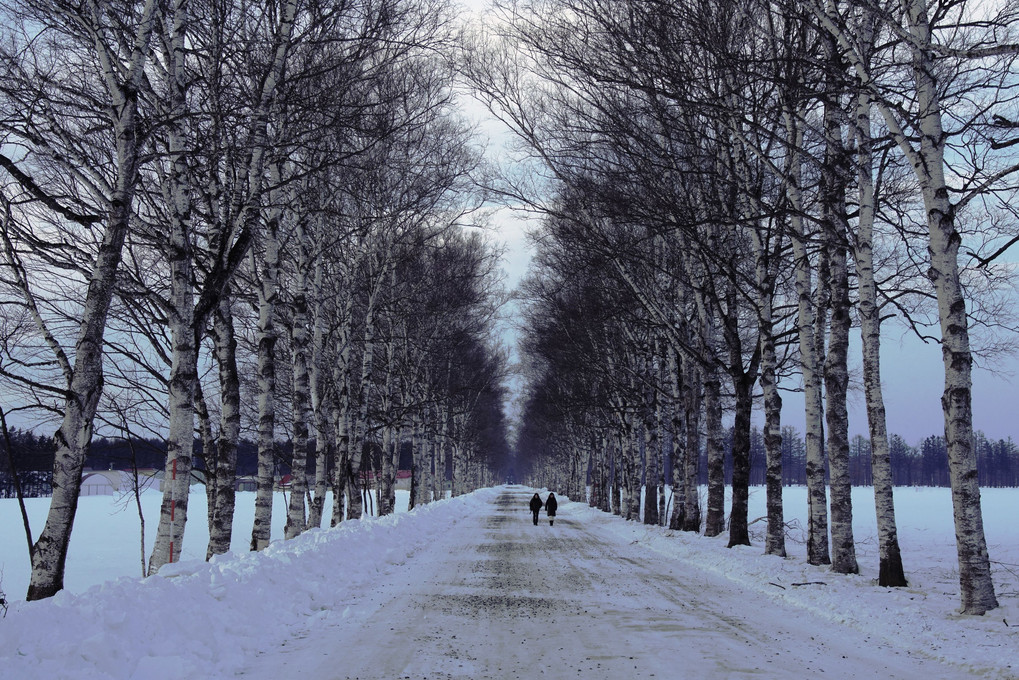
x,y
113,482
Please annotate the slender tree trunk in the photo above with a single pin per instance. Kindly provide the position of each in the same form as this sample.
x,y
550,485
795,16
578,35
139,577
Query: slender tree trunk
x,y
456,455
341,415
739,533
341,459
431,471
714,523
604,462
836,382
428,438
660,427
180,442
692,458
460,454
631,474
300,340
817,497
834,179
652,454
355,504
222,511
320,404
390,444
680,443
775,541
210,455
266,337
185,328
417,447
449,452
442,461
615,490
324,451
890,571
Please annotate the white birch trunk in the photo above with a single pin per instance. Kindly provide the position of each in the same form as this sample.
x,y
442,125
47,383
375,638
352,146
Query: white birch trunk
x,y
417,448
601,500
441,452
775,540
221,512
976,585
266,337
355,505
387,478
430,474
341,382
691,405
390,447
890,570
427,460
341,460
181,318
460,453
743,385
324,445
681,454
817,500
615,488
626,500
209,454
834,178
660,426
300,339
714,521
85,379
652,450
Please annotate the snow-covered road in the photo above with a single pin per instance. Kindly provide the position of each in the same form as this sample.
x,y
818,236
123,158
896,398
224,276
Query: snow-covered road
x,y
496,597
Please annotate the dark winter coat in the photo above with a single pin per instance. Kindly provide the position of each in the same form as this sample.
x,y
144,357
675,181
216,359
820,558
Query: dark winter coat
x,y
551,505
536,503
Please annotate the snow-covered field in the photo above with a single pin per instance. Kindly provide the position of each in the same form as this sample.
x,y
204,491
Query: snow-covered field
x,y
198,619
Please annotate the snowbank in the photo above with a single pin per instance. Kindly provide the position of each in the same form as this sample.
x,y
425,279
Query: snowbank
x,y
198,619
923,616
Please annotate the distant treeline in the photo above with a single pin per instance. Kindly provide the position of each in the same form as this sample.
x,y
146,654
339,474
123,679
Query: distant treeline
x,y
33,458
923,465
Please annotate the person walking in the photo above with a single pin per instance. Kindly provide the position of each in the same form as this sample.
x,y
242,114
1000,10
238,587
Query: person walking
x,y
536,507
551,505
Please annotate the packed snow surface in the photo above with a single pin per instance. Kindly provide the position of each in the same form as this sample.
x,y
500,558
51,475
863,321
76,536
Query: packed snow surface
x,y
469,588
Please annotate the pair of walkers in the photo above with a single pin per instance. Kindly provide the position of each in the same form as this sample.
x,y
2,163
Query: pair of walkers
x,y
550,505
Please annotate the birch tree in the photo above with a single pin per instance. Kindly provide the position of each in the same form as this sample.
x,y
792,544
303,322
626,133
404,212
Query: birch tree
x,y
890,573
940,61
107,72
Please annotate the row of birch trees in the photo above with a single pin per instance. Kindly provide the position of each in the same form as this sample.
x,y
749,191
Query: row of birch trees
x,y
727,187
224,217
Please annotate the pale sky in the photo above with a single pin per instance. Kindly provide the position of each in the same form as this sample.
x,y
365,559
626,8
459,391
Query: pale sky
x,y
913,379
